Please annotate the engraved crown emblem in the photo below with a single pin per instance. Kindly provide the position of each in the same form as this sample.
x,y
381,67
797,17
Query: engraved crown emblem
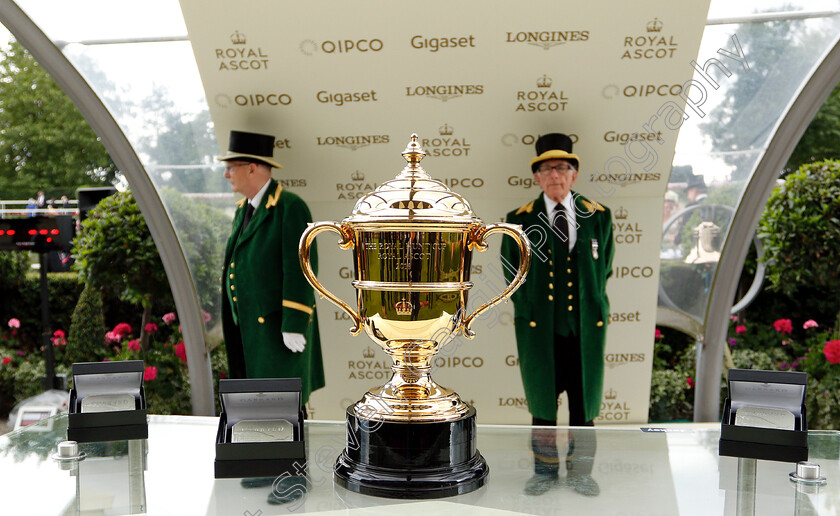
x,y
621,213
654,25
357,176
445,130
403,307
368,352
237,38
544,82
611,394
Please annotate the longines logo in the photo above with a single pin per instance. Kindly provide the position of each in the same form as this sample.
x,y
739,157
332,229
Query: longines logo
x,y
353,142
292,183
612,91
447,145
625,178
651,45
613,408
625,231
543,98
619,359
438,43
619,317
510,139
444,92
546,39
253,99
310,47
238,56
348,97
356,188
634,272
520,403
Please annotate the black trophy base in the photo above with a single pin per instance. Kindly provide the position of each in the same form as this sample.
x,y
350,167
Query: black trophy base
x,y
411,460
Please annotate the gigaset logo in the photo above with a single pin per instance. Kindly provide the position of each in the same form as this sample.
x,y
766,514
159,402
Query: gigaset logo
x,y
438,43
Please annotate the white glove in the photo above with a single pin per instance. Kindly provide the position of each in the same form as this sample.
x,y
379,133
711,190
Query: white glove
x,y
294,341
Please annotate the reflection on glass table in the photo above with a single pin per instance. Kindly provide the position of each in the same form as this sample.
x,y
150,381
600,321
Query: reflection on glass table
x,y
671,470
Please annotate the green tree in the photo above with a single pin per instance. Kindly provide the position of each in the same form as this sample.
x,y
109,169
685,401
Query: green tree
x,y
800,228
115,253
821,140
86,340
44,140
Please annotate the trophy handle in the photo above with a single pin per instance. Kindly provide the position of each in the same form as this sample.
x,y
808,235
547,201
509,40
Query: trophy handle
x,y
478,242
346,242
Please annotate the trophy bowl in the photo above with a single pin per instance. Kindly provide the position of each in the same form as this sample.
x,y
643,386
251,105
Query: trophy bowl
x,y
412,240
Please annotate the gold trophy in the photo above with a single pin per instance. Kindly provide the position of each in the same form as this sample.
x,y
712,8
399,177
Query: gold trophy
x,y
412,240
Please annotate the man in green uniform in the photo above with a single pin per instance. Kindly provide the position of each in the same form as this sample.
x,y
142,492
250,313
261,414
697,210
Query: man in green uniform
x,y
268,308
561,310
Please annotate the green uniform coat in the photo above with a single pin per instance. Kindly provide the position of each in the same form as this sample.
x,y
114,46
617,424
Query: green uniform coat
x,y
266,294
534,303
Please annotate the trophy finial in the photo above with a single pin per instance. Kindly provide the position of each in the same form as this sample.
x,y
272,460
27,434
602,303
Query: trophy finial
x,y
413,153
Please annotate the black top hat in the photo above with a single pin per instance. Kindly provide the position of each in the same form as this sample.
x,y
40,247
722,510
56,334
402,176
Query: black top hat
x,y
554,146
696,181
251,147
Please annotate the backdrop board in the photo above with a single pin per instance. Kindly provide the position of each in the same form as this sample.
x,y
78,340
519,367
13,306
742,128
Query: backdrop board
x,y
343,98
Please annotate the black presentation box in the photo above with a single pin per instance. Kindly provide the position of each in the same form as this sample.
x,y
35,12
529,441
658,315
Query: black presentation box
x,y
772,389
260,398
94,378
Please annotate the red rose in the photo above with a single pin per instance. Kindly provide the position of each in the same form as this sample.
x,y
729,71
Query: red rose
x,y
690,382
832,351
150,373
740,329
657,334
150,327
181,351
134,345
6,360
783,325
122,329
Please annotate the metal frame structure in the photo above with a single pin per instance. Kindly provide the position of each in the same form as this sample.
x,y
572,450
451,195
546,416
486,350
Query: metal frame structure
x,y
160,226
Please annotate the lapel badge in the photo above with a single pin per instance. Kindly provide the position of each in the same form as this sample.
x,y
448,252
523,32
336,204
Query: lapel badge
x,y
594,248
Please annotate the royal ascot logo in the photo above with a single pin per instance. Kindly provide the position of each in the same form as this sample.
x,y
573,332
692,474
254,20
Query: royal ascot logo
x,y
353,142
356,188
613,408
543,99
368,368
444,92
546,39
346,97
653,44
224,100
638,91
620,317
447,145
310,47
625,231
435,44
614,360
632,272
239,56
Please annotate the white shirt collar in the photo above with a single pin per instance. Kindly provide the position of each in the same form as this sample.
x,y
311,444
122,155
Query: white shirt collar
x,y
255,202
568,203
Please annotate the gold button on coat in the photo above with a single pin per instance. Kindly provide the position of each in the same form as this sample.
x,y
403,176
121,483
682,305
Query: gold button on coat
x,y
569,284
260,320
533,324
599,323
569,271
550,274
551,285
550,297
232,265
570,308
233,287
231,276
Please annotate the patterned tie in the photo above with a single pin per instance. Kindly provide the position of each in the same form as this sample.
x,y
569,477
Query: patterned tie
x,y
248,212
560,225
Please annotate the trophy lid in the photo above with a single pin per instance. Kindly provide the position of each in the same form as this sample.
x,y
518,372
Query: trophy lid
x,y
413,195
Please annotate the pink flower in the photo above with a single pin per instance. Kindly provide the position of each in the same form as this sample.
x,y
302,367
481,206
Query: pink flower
x,y
785,342
150,327
6,360
168,318
122,329
690,382
134,345
150,373
810,323
740,329
14,323
783,325
206,316
733,341
181,351
112,337
832,351
733,318
58,338
658,334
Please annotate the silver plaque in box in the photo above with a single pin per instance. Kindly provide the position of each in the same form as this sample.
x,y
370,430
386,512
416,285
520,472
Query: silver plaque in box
x,y
108,403
262,430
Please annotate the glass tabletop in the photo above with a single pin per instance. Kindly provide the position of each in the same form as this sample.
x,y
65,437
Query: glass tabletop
x,y
669,470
